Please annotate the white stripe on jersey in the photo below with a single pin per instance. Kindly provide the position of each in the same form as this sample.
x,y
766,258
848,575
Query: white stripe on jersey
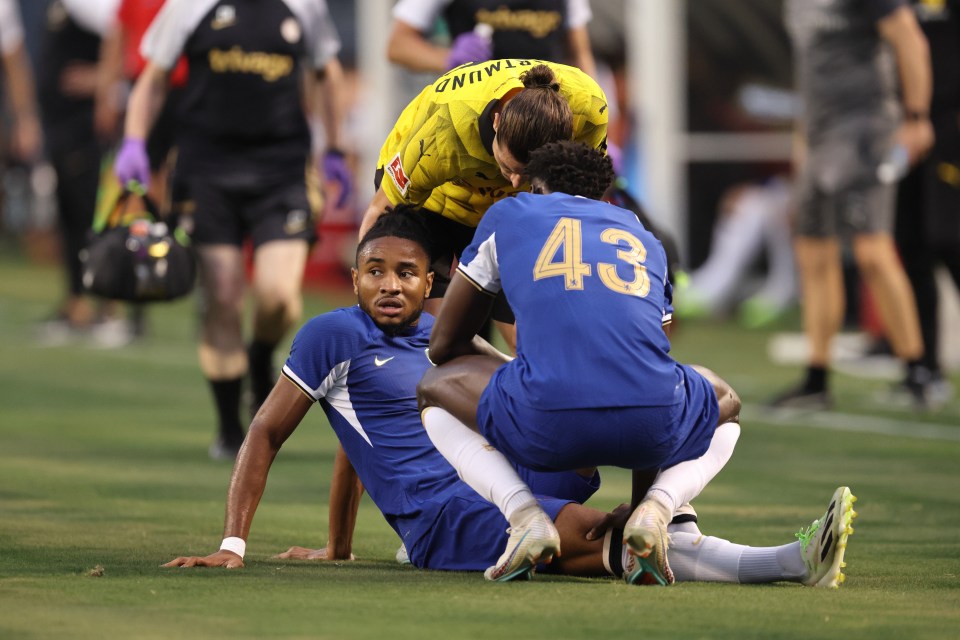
x,y
334,389
484,269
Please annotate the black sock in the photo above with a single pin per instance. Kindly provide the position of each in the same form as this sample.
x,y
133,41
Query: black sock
x,y
918,372
262,376
614,554
816,379
226,395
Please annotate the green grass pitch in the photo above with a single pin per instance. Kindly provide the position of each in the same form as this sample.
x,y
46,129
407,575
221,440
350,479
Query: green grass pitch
x,y
103,470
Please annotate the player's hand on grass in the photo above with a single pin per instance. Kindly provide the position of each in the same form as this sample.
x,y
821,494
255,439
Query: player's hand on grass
x,y
222,558
302,553
616,519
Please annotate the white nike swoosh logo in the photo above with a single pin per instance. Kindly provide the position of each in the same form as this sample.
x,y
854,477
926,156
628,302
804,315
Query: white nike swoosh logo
x,y
377,361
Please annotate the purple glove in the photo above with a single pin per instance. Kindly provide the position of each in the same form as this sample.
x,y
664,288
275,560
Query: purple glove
x,y
335,168
615,153
132,163
469,47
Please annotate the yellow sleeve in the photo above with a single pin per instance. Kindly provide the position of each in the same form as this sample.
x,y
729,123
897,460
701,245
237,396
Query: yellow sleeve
x,y
413,160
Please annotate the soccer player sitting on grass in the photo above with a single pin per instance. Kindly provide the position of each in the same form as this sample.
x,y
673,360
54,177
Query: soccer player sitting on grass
x,y
362,365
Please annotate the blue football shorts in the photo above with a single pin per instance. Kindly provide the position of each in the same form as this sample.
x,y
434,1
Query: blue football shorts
x,y
469,534
628,437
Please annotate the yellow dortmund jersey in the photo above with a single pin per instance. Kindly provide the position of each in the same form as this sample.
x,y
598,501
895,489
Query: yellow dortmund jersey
x,y
439,153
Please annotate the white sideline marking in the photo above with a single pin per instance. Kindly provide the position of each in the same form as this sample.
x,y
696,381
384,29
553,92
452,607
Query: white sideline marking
x,y
855,423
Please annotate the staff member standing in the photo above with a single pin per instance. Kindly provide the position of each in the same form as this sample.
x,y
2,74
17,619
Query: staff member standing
x,y
66,83
554,30
244,168
848,55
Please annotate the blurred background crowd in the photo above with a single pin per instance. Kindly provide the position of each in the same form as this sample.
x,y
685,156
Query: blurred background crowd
x,y
702,100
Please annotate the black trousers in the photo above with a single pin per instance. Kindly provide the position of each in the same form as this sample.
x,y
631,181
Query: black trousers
x,y
927,232
75,154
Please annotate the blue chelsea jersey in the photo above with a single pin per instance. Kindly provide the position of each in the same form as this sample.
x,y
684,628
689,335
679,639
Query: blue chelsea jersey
x,y
588,284
366,383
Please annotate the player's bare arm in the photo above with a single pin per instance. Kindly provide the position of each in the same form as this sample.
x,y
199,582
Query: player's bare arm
x,y
581,54
21,94
904,34
378,206
146,99
408,47
279,416
464,310
345,493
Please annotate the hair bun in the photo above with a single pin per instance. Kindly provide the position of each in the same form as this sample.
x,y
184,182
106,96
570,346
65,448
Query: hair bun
x,y
540,77
547,85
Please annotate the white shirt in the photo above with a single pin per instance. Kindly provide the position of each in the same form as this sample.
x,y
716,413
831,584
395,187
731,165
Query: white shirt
x,y
11,28
164,41
95,16
421,14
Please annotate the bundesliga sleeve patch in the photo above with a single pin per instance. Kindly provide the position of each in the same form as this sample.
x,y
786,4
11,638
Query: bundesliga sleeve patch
x,y
395,169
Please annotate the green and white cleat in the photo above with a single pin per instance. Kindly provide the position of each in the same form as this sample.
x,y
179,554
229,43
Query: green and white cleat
x,y
535,540
646,536
824,542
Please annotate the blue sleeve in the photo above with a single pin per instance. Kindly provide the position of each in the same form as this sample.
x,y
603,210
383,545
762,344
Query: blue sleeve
x,y
323,345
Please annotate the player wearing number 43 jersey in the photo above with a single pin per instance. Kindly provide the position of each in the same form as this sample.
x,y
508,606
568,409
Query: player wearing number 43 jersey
x,y
593,382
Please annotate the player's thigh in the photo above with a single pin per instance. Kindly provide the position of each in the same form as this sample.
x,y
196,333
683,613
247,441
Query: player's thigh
x,y
221,273
278,269
469,534
727,398
457,386
566,439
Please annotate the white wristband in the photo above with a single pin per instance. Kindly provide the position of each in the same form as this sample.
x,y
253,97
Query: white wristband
x,y
237,545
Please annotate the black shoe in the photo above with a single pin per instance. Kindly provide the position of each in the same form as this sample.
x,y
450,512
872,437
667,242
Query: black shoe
x,y
914,391
939,391
802,398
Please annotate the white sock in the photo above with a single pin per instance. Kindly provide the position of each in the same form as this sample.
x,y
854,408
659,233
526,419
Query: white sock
x,y
699,558
696,558
684,481
478,464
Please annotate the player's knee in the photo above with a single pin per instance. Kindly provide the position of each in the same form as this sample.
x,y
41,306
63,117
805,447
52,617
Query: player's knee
x,y
727,399
730,405
873,253
426,396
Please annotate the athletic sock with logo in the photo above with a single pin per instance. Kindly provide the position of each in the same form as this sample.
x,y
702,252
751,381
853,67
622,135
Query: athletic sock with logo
x,y
480,465
684,481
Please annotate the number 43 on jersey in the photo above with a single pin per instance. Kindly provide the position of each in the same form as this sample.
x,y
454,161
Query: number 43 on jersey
x,y
567,239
